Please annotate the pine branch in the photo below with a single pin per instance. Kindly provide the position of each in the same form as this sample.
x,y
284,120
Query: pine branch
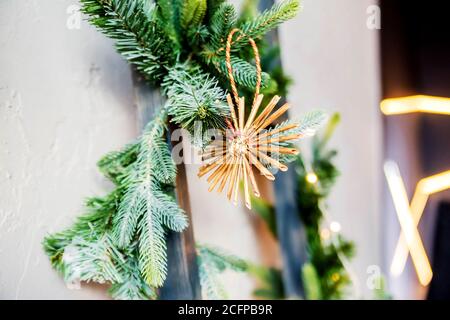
x,y
134,26
91,261
222,22
130,210
212,262
145,209
266,21
244,73
326,277
140,208
154,165
212,287
132,286
249,10
89,227
194,97
171,215
152,246
192,13
222,259
311,122
116,165
211,8
168,17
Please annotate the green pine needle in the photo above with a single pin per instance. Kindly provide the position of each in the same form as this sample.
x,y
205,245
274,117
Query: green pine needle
x,y
146,210
212,262
138,35
115,165
168,18
91,261
244,73
222,22
192,13
311,282
195,98
266,21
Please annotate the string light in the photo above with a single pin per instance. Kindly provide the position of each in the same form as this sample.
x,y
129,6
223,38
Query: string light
x,y
335,227
312,178
325,234
335,277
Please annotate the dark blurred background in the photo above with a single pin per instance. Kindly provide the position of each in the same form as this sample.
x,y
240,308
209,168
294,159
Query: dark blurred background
x,y
415,60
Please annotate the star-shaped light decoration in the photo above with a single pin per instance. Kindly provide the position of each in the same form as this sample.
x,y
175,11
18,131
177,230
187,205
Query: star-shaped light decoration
x,y
249,143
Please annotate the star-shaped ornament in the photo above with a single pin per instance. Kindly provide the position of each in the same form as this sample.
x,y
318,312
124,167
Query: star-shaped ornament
x,y
248,144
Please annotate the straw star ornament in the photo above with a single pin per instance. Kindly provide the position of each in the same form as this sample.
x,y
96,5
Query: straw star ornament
x,y
248,142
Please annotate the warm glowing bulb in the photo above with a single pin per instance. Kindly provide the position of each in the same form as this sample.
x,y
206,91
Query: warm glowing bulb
x,y
335,277
325,233
311,178
419,103
335,227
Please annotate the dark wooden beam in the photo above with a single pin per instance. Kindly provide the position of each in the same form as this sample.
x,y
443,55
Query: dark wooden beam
x,y
290,230
182,281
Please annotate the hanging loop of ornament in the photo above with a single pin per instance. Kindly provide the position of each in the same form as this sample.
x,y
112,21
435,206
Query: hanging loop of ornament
x,y
247,143
230,68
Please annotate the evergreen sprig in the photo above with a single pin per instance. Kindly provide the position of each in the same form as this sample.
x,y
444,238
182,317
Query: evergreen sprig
x,y
266,21
195,98
146,209
192,13
132,286
244,73
91,261
116,164
139,35
213,262
222,22
168,17
308,125
121,240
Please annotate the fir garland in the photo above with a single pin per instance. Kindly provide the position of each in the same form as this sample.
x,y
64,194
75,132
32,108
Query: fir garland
x,y
178,46
325,276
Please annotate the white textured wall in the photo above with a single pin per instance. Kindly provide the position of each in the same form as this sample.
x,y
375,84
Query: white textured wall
x,y
66,99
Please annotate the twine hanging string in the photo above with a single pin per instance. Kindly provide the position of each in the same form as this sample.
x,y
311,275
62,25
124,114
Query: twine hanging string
x,y
230,69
